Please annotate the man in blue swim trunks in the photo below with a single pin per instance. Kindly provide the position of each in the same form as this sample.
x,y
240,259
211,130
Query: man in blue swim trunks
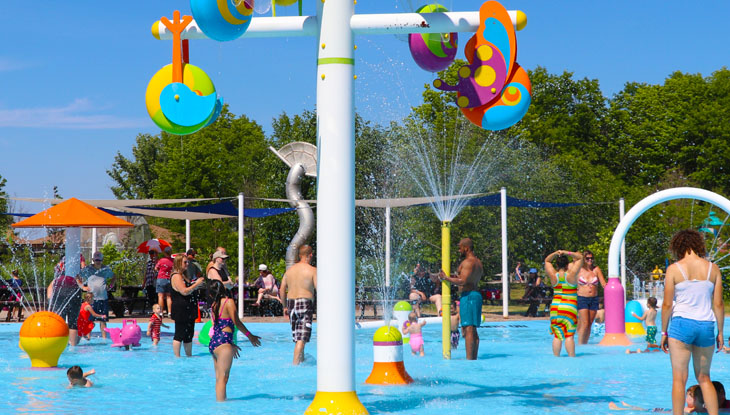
x,y
467,277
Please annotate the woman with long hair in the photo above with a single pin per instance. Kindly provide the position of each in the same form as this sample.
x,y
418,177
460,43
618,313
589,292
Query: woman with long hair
x,y
563,310
589,277
694,285
184,306
221,344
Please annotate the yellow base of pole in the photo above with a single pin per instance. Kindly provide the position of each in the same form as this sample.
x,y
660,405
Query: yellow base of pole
x,y
340,403
446,290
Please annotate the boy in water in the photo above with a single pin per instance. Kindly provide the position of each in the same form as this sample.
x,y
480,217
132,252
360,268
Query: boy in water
x,y
650,318
77,377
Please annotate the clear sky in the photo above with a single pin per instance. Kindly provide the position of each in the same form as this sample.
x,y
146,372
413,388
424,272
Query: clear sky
x,y
73,74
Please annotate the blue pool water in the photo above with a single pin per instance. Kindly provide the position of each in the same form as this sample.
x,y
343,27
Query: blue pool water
x,y
516,373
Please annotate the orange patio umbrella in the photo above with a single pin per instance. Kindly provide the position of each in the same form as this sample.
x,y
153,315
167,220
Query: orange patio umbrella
x,y
73,215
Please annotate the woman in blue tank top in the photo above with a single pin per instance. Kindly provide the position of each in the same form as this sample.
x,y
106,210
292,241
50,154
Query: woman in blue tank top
x,y
694,285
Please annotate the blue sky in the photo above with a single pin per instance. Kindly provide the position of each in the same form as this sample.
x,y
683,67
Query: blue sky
x,y
73,74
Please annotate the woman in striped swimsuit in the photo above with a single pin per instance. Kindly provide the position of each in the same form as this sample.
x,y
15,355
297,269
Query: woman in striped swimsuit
x,y
564,309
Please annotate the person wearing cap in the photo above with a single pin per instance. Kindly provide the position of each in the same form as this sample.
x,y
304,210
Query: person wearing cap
x,y
95,277
266,284
219,271
163,285
150,279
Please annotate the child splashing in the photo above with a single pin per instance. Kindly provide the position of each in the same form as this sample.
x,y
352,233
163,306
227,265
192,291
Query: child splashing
x,y
650,318
414,328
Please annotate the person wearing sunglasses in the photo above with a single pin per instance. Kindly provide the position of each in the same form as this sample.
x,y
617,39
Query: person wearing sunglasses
x,y
588,279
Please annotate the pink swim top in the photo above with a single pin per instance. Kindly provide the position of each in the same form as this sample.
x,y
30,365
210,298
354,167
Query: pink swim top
x,y
583,281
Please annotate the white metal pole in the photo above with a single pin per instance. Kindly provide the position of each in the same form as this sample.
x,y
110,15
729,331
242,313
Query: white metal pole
x,y
241,273
621,213
505,273
93,240
361,24
387,246
187,235
336,208
72,263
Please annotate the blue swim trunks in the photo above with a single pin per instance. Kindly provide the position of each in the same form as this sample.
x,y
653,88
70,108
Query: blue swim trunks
x,y
692,332
471,309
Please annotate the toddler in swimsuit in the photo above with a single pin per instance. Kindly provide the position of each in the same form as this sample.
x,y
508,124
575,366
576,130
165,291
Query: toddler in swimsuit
x,y
413,326
650,318
153,328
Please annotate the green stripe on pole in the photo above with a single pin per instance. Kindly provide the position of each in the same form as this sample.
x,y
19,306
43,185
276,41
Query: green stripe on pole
x,y
327,61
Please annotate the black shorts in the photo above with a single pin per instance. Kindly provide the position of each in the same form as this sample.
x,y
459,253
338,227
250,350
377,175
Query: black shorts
x,y
590,303
71,306
184,331
100,307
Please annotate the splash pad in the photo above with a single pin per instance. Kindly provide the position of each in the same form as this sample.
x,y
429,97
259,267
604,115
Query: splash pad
x,y
335,26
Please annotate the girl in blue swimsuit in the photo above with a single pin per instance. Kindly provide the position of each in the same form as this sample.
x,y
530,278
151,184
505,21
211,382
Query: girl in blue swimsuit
x,y
221,343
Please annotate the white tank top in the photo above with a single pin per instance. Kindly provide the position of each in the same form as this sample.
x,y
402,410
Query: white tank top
x,y
693,298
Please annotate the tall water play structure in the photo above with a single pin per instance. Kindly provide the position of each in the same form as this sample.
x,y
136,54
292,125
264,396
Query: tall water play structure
x,y
614,296
335,26
302,160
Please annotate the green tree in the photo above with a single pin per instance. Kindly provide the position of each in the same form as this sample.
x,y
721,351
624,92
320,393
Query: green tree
x,y
136,178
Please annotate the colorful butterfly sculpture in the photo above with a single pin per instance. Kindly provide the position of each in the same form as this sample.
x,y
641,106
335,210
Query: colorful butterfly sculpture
x,y
493,91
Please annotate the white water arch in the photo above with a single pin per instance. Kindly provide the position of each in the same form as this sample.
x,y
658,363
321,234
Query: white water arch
x,y
644,205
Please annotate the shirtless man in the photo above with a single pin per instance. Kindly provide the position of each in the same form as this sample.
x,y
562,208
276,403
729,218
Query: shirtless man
x,y
467,277
301,281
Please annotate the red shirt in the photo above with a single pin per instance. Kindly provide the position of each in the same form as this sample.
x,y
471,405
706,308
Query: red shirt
x,y
164,268
155,323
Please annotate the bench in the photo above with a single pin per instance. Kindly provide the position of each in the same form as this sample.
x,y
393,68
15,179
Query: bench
x,y
373,297
127,302
268,305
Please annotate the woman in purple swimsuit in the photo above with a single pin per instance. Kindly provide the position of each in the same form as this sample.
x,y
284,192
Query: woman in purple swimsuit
x,y
221,345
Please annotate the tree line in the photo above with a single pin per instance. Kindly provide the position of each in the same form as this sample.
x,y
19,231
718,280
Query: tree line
x,y
574,145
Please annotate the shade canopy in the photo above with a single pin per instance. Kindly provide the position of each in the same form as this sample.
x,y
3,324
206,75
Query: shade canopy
x,y
72,213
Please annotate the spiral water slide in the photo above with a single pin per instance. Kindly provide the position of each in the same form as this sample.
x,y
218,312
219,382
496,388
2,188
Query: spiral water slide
x,y
302,160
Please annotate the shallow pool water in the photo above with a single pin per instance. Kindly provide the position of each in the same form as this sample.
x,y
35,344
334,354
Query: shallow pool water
x,y
515,373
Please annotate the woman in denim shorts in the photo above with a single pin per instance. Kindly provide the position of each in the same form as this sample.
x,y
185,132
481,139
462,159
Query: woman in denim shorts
x,y
589,278
695,286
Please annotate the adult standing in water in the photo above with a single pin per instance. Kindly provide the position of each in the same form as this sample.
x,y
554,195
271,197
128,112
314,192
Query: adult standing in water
x,y
564,310
694,285
300,280
467,276
97,276
589,277
184,306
